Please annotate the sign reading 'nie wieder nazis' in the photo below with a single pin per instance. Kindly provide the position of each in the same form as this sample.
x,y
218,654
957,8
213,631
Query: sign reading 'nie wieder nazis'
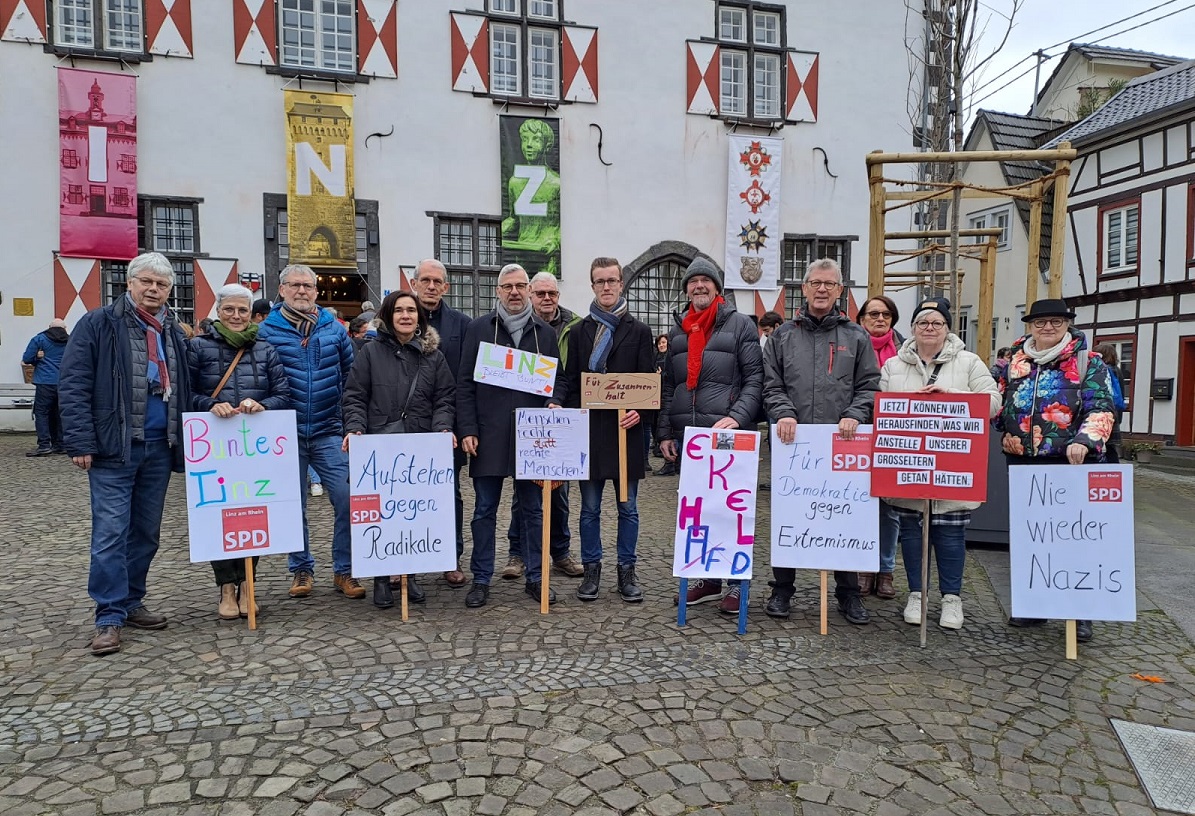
x,y
401,504
715,516
823,514
518,370
243,488
1070,542
931,446
552,443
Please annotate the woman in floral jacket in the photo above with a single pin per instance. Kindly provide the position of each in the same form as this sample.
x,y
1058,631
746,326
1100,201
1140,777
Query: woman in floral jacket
x,y
1058,406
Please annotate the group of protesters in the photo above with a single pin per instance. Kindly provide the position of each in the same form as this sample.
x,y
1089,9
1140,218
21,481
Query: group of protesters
x,y
128,375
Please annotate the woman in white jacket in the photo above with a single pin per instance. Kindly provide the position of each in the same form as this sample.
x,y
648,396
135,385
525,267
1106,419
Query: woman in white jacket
x,y
933,360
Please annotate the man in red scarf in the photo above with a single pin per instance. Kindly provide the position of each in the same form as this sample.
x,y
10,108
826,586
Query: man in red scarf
x,y
712,378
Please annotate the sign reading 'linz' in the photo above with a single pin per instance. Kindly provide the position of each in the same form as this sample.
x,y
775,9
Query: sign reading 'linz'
x,y
637,391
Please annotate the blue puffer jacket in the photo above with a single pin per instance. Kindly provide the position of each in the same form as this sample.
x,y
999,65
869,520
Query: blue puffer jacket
x,y
317,371
52,342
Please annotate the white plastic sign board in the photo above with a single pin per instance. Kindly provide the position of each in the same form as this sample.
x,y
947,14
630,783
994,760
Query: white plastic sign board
x,y
552,443
1071,543
243,489
715,515
401,504
518,370
823,514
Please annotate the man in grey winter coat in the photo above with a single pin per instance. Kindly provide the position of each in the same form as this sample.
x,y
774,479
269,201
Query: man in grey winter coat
x,y
819,368
712,378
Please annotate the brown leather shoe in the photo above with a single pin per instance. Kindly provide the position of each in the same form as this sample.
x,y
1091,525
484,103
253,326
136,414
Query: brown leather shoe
x,y
348,586
243,600
142,618
106,640
227,610
455,578
884,588
867,582
302,584
568,566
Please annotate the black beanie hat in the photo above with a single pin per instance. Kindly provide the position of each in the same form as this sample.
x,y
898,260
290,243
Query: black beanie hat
x,y
940,305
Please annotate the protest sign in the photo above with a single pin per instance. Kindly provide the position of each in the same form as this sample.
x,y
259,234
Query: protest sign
x,y
1070,542
518,370
552,443
823,514
401,504
715,517
243,491
629,391
930,446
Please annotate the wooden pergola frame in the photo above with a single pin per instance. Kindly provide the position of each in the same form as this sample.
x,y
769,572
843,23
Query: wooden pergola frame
x,y
1032,191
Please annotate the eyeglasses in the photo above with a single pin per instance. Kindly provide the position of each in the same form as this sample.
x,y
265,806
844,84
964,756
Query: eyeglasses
x,y
510,287
548,295
301,286
884,315
1052,322
604,282
935,325
822,284
431,281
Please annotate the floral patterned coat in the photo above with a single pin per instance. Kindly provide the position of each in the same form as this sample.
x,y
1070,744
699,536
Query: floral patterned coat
x,y
1046,408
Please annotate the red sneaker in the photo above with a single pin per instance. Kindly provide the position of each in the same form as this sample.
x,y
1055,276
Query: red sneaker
x,y
700,591
729,605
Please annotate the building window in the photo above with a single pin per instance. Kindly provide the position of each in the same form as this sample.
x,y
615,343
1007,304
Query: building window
x,y
966,328
654,294
998,218
469,247
525,48
1124,345
801,250
317,34
182,296
173,227
752,41
99,25
1120,233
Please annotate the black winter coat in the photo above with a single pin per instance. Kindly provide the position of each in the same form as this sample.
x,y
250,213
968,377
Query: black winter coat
x,y
259,374
487,411
380,383
730,383
451,325
632,352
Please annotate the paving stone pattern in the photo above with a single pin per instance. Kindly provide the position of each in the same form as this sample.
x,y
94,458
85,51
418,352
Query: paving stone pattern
x,y
334,707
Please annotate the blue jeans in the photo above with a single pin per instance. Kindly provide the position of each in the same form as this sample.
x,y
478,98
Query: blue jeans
x,y
487,491
591,521
889,533
312,476
45,417
949,544
561,537
126,525
323,453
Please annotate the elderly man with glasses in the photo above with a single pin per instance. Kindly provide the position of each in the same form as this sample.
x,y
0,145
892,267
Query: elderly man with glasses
x,y
819,368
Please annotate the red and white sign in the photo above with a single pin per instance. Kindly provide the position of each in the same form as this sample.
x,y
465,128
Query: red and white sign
x,y
930,446
246,529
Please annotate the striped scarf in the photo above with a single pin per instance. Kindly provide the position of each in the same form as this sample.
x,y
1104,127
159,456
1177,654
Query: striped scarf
x,y
603,340
158,369
304,322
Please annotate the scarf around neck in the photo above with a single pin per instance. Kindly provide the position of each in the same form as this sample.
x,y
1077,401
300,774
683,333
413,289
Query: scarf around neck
x,y
699,326
515,323
304,322
234,338
603,340
1046,356
158,368
884,346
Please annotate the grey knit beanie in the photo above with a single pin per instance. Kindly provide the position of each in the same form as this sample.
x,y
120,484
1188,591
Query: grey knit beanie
x,y
702,266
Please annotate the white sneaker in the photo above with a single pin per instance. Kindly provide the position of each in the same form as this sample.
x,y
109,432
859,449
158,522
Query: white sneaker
x,y
317,489
913,609
952,612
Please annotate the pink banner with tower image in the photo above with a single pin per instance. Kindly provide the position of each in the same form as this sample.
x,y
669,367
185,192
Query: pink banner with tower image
x,y
97,134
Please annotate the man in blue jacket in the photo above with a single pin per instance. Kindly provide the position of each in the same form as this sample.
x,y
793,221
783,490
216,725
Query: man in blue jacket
x,y
44,353
316,352
123,390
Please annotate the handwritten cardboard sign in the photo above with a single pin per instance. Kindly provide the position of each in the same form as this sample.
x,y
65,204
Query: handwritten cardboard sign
x,y
552,443
1070,542
243,491
823,514
637,391
931,446
518,370
715,516
401,504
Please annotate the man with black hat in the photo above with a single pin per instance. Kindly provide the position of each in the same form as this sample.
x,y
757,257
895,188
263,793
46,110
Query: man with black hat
x,y
820,368
712,378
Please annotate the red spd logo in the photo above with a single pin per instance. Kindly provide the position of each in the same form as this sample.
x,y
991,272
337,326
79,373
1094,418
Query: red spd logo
x,y
854,455
246,528
365,509
1104,487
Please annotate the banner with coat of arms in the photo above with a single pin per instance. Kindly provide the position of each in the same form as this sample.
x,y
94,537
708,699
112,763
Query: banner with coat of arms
x,y
753,234
320,202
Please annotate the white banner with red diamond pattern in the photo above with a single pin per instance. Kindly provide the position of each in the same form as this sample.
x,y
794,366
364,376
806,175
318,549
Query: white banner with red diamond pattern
x,y
753,234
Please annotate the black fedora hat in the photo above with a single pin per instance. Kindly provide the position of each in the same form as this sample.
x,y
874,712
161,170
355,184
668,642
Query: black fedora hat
x,y
1050,307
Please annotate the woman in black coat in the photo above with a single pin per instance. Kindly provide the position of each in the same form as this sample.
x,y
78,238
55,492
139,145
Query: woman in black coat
x,y
258,383
399,383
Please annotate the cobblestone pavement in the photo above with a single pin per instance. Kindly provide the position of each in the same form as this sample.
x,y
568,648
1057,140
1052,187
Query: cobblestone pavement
x,y
334,707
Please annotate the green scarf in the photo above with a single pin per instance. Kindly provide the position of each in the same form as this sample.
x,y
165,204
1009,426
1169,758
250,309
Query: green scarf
x,y
236,339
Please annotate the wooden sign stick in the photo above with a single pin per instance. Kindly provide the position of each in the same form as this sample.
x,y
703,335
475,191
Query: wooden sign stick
x,y
249,589
622,456
925,519
824,602
402,592
545,543
1072,640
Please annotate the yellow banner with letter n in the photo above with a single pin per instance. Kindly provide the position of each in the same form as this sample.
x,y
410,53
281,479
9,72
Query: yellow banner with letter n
x,y
320,205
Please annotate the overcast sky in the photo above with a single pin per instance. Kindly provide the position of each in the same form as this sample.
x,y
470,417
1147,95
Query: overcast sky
x,y
1045,23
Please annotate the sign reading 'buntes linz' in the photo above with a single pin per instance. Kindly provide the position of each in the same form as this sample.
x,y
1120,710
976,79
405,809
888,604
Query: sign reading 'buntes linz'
x,y
518,370
552,443
631,391
243,488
